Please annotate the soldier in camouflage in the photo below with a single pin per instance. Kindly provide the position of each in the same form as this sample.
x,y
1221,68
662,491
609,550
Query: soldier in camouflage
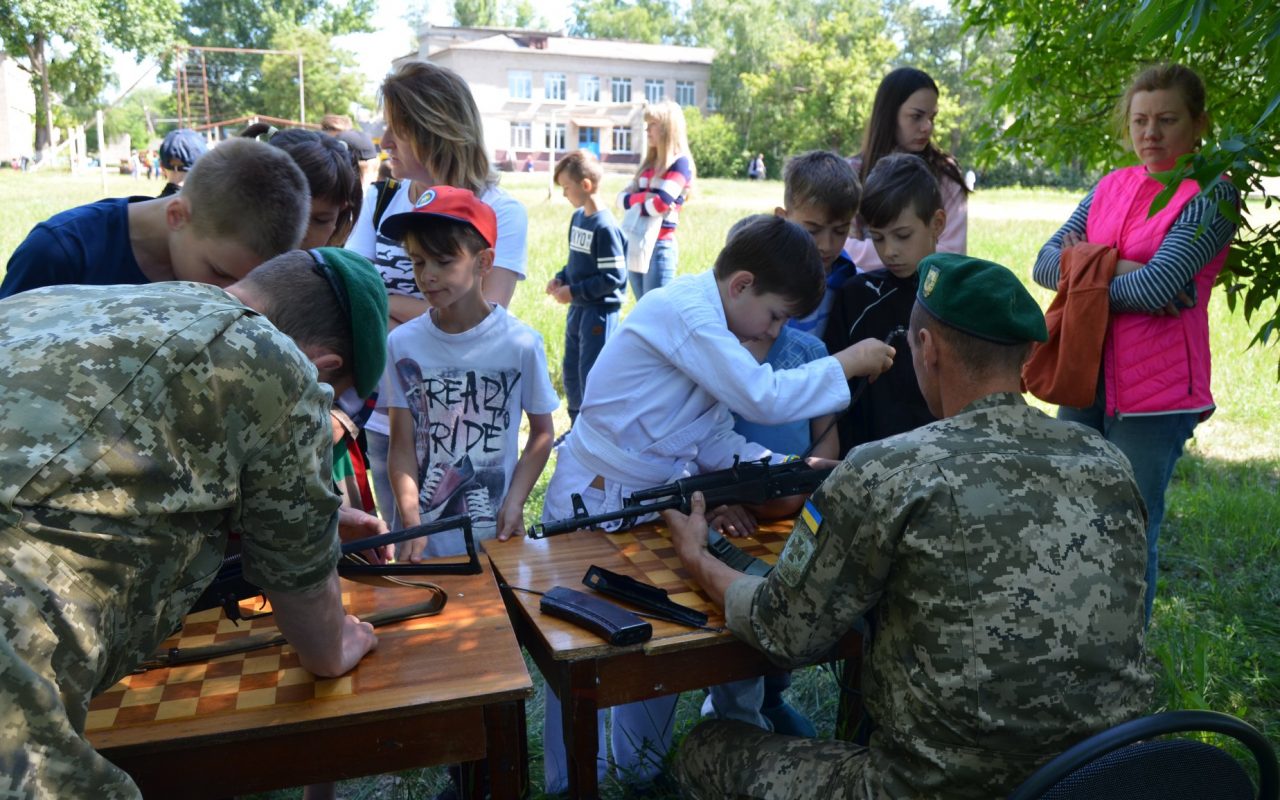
x,y
140,426
1000,553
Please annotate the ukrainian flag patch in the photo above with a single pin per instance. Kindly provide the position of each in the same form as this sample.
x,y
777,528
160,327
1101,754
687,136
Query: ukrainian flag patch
x,y
811,517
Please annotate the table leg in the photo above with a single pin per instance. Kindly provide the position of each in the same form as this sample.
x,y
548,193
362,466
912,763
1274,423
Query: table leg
x,y
578,711
506,746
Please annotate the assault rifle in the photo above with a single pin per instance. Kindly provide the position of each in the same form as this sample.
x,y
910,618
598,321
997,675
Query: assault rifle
x,y
230,586
744,482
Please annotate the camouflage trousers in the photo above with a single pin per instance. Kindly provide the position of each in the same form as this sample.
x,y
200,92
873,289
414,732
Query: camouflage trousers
x,y
729,759
50,660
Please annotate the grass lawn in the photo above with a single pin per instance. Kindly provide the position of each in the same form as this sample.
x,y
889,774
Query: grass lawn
x,y
1215,635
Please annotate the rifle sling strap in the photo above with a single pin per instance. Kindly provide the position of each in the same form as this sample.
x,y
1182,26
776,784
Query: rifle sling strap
x,y
175,656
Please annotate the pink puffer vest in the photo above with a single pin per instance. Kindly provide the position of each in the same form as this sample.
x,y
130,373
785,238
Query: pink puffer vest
x,y
1152,364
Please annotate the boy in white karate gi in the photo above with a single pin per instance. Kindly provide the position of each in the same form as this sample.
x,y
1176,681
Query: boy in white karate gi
x,y
659,406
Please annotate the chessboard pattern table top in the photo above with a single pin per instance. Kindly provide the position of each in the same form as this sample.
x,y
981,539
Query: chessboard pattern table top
x,y
467,655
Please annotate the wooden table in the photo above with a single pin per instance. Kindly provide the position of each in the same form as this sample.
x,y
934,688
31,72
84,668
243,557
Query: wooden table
x,y
437,690
588,674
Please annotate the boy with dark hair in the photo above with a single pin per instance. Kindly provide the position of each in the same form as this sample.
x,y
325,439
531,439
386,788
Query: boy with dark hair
x,y
904,218
594,281
458,380
821,195
677,369
243,203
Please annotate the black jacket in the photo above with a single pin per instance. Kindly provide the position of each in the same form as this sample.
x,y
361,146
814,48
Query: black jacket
x,y
870,305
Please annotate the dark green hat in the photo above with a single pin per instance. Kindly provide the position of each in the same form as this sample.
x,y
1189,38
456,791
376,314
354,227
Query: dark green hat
x,y
980,298
362,295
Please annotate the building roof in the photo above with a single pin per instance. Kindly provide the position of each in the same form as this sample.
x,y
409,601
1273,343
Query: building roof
x,y
554,44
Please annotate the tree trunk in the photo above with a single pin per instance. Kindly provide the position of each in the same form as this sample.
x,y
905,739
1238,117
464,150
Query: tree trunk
x,y
35,54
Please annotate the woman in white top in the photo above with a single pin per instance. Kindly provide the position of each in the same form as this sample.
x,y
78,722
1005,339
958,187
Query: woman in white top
x,y
433,137
902,122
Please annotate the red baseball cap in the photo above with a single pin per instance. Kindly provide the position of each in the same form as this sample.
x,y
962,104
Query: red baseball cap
x,y
450,202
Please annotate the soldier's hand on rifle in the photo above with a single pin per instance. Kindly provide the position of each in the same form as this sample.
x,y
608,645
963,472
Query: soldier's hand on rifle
x,y
688,532
821,463
732,520
869,357
355,524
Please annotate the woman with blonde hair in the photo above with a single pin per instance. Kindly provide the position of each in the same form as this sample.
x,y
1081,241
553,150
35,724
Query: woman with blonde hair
x,y
433,137
659,189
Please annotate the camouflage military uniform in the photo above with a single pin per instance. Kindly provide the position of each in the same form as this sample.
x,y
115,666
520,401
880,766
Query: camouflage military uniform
x,y
1003,554
138,426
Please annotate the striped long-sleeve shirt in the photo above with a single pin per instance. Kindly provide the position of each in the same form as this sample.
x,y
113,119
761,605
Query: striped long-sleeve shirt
x,y
1180,256
662,197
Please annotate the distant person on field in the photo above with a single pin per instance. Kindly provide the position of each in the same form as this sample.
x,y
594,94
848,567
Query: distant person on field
x,y
243,203
660,187
365,153
333,124
903,215
755,170
821,194
594,281
179,152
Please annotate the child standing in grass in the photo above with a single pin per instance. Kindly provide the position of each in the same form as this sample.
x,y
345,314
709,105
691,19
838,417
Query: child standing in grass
x,y
458,379
904,218
594,280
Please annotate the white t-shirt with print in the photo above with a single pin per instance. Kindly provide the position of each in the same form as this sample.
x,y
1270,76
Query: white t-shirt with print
x,y
511,251
466,393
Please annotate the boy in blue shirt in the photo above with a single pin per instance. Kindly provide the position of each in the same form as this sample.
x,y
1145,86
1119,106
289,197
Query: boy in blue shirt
x,y
243,203
821,195
904,218
594,281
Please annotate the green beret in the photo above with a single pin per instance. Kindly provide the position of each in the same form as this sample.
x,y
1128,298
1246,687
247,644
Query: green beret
x,y
980,298
366,297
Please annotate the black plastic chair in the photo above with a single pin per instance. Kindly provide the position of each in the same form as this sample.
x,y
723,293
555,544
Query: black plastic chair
x,y
1119,764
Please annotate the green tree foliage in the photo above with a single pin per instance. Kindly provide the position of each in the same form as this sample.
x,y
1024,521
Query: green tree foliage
x,y
331,79
137,115
1073,61
61,44
650,21
475,13
239,83
716,145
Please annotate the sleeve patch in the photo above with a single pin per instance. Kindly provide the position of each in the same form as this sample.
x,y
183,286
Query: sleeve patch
x,y
811,517
794,561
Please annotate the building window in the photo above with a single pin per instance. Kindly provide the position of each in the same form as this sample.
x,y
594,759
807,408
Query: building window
x,y
685,94
654,90
553,85
621,89
713,101
520,84
556,136
589,88
521,136
622,140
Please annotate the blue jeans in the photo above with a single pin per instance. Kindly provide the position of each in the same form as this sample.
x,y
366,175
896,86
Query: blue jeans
x,y
662,268
585,332
1153,445
378,447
